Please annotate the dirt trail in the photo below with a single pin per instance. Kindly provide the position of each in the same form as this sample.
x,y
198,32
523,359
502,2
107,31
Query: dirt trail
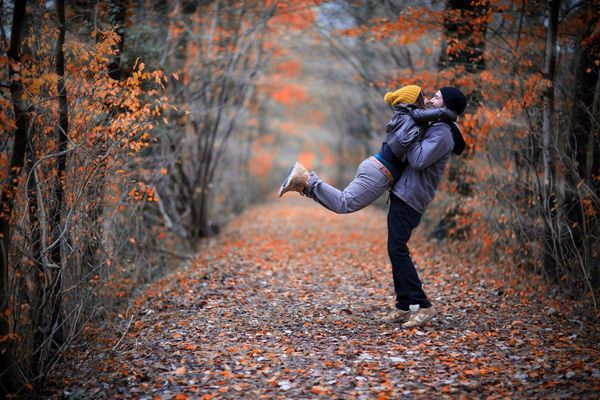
x,y
288,303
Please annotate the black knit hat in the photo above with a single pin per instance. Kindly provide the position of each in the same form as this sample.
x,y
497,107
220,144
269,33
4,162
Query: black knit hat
x,y
454,99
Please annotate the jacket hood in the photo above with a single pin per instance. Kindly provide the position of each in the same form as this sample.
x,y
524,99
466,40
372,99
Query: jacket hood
x,y
459,141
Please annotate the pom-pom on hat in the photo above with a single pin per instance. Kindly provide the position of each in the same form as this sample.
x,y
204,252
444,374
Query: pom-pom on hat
x,y
454,99
407,95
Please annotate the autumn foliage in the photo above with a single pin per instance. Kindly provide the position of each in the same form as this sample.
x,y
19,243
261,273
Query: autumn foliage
x,y
115,131
132,133
66,190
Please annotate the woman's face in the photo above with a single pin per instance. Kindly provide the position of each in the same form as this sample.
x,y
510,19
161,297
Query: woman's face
x,y
437,101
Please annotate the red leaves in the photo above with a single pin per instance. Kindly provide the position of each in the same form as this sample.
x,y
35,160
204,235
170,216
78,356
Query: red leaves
x,y
293,14
289,94
288,68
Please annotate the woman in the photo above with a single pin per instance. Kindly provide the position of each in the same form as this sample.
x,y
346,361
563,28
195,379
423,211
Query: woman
x,y
379,172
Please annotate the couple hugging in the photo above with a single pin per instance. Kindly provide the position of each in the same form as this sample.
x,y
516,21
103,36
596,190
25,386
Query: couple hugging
x,y
410,164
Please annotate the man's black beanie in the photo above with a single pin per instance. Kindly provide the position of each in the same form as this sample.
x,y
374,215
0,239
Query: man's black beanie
x,y
454,99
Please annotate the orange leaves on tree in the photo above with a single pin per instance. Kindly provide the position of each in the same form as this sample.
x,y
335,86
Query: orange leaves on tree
x,y
94,101
428,80
411,26
288,69
7,123
46,81
3,165
293,14
141,191
533,87
289,94
588,206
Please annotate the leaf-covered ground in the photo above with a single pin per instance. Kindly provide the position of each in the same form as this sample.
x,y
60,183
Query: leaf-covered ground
x,y
288,303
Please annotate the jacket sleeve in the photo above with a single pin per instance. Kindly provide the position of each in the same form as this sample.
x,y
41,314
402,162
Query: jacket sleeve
x,y
437,143
432,114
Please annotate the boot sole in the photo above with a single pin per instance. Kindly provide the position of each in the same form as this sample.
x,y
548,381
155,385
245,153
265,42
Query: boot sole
x,y
286,182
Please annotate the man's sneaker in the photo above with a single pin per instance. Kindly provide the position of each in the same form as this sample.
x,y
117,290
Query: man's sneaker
x,y
296,180
419,317
397,316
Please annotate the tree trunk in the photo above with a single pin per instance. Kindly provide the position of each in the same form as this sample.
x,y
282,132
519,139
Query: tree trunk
x,y
582,141
3,36
548,147
36,297
117,14
9,377
595,168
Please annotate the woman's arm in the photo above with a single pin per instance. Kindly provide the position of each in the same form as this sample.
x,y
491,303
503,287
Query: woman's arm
x,y
432,114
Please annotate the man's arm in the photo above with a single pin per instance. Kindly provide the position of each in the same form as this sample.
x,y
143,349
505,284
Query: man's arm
x,y
437,143
432,114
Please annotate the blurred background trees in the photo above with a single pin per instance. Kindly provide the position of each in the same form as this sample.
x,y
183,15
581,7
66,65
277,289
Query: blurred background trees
x,y
132,130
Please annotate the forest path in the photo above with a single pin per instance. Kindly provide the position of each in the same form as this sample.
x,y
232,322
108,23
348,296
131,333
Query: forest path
x,y
288,303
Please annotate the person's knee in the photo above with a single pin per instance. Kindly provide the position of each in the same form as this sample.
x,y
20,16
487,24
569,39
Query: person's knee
x,y
398,250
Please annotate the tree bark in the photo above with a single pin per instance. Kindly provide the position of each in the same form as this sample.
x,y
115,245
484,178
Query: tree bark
x,y
582,142
117,15
548,146
36,300
9,377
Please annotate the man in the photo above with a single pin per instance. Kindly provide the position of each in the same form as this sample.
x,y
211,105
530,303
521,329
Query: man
x,y
410,196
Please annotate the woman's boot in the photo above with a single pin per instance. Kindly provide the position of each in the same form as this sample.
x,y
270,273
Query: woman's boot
x,y
296,181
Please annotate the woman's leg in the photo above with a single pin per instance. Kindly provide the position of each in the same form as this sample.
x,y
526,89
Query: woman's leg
x,y
368,185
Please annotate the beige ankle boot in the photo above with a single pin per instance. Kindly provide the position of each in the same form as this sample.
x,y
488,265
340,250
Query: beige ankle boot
x,y
296,181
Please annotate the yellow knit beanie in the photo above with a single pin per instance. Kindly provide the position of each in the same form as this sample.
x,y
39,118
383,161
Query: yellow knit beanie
x,y
407,95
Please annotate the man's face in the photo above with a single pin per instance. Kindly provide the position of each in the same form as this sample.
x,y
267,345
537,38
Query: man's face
x,y
437,101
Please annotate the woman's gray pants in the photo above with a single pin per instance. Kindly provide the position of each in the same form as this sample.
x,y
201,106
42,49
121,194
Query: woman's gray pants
x,y
368,185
